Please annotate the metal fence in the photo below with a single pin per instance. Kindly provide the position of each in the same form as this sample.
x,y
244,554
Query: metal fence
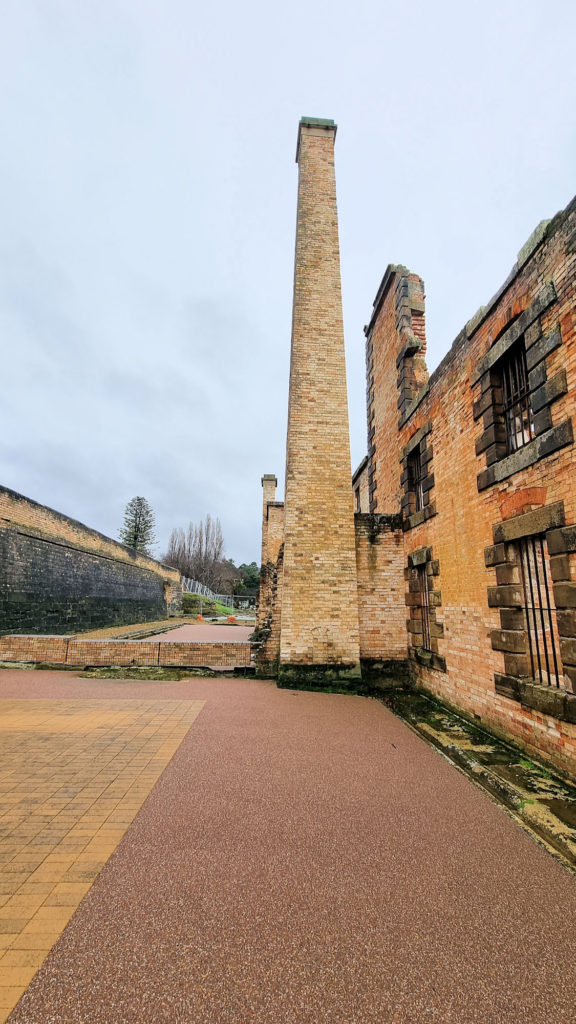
x,y
230,600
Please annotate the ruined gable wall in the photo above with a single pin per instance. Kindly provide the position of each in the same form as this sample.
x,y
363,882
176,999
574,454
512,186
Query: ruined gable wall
x,y
451,534
360,487
60,576
395,370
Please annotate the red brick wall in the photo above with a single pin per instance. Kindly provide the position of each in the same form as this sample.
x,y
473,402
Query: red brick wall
x,y
463,524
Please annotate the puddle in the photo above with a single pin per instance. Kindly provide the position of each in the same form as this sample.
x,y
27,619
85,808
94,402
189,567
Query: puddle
x,y
525,777
563,809
489,757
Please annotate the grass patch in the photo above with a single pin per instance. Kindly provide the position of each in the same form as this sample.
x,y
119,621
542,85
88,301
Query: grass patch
x,y
194,604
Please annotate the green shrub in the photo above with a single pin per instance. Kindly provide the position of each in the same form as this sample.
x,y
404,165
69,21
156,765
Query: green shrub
x,y
192,604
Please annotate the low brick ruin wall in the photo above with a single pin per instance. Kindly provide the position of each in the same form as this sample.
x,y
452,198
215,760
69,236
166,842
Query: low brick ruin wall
x,y
62,650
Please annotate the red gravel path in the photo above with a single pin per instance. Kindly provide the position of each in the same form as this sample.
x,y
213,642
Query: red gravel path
x,y
306,859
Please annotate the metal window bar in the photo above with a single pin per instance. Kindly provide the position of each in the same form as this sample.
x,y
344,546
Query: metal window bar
x,y
424,607
543,640
518,414
415,478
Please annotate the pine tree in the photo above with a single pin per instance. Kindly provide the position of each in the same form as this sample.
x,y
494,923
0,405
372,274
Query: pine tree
x,y
138,529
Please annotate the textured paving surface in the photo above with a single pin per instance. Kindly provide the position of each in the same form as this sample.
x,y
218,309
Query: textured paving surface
x,y
306,859
205,633
73,775
109,632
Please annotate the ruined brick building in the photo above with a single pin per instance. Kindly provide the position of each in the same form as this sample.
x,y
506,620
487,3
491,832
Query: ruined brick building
x,y
453,555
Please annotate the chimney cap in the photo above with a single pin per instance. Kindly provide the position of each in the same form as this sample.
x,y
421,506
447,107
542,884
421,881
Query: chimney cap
x,y
314,122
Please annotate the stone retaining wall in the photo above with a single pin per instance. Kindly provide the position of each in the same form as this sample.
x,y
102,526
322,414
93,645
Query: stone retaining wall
x,y
59,576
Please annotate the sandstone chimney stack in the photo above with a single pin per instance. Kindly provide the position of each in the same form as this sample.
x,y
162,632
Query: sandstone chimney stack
x,y
319,638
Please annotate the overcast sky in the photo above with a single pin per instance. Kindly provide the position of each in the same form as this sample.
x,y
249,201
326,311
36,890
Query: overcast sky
x,y
147,217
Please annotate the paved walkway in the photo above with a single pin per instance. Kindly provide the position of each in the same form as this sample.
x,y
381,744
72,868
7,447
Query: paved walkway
x,y
205,633
304,859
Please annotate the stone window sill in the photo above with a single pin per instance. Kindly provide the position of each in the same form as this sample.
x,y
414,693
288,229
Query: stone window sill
x,y
419,517
429,659
547,443
548,700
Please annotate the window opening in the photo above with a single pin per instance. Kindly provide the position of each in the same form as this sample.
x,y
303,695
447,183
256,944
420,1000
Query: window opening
x,y
518,414
415,478
424,606
542,628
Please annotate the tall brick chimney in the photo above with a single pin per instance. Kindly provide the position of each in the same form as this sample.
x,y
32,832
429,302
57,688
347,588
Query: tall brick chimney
x,y
269,485
319,638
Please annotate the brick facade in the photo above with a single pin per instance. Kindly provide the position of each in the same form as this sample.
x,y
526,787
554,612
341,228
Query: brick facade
x,y
379,567
60,576
267,634
360,487
466,500
465,525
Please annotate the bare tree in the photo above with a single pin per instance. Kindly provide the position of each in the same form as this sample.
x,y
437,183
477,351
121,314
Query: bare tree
x,y
198,552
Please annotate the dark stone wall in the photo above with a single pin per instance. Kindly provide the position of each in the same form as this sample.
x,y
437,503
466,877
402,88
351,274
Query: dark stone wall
x,y
49,587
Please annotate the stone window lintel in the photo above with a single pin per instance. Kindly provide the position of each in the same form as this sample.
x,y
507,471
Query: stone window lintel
x,y
545,298
539,520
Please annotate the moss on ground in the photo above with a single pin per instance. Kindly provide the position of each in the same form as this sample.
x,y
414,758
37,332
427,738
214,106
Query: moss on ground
x,y
158,674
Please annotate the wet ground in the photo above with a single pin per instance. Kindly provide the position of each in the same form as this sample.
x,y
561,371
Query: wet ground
x,y
544,801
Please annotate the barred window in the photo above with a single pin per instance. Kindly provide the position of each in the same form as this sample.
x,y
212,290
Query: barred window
x,y
424,606
518,416
541,624
415,478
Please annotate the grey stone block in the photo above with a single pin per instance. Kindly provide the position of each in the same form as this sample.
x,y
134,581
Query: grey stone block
x,y
530,246
550,391
513,641
565,595
510,596
538,521
562,540
542,348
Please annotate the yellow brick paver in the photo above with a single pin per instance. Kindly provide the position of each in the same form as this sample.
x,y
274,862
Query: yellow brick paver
x,y
73,776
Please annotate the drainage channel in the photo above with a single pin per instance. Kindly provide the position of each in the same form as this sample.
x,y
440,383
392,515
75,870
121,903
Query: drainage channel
x,y
544,803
